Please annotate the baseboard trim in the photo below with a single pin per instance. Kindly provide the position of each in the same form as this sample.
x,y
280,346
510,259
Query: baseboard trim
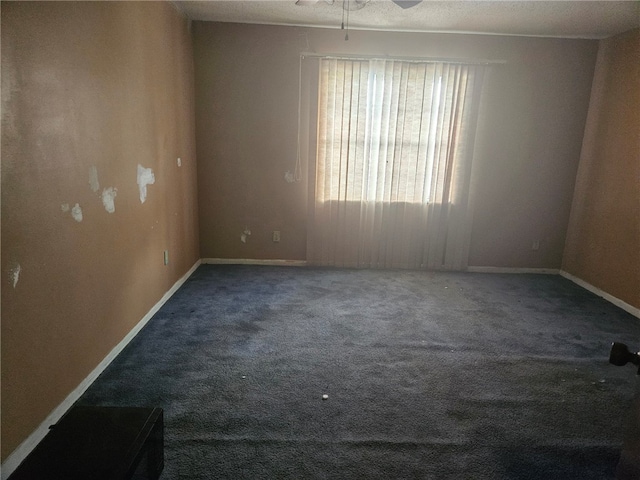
x,y
542,271
19,454
250,261
601,293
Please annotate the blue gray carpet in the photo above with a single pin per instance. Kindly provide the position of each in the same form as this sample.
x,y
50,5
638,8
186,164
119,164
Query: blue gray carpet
x,y
428,376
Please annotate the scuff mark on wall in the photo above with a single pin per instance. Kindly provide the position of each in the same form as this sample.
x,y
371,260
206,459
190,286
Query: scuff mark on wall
x,y
244,235
108,199
14,275
179,162
65,207
93,179
76,213
145,177
289,177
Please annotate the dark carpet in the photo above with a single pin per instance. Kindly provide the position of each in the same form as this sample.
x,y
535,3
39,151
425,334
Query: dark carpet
x,y
429,375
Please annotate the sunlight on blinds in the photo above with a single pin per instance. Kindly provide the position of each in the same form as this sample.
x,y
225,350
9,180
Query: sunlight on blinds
x,y
391,157
383,124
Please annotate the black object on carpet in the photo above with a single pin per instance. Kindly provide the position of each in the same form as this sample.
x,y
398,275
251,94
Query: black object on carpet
x,y
429,375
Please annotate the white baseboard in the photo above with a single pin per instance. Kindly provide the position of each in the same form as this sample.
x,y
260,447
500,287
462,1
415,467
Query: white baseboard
x,y
19,454
601,293
249,261
543,271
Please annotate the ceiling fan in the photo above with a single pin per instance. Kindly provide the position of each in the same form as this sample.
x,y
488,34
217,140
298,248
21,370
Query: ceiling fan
x,y
358,4
349,5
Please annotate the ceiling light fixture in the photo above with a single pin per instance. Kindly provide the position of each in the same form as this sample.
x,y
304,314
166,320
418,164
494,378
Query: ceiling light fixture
x,y
349,5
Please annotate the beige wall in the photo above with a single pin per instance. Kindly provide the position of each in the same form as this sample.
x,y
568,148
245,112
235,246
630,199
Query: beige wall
x,y
603,243
246,117
246,132
106,85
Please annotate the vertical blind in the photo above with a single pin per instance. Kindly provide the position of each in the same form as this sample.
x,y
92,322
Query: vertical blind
x,y
393,163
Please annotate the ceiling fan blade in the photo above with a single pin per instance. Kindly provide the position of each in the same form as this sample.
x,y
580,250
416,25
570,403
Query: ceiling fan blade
x,y
406,3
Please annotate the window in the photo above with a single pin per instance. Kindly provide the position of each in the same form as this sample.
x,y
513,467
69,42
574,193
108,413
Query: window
x,y
382,125
393,155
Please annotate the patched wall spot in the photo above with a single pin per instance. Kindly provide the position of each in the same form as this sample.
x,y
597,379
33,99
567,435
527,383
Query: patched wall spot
x,y
14,275
145,177
93,179
76,213
108,199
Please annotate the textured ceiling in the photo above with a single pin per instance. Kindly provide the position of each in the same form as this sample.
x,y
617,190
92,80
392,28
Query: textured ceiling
x,y
582,19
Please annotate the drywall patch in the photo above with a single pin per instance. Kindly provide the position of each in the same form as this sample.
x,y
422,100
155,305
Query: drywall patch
x,y
108,199
93,179
14,275
244,235
289,177
76,213
145,177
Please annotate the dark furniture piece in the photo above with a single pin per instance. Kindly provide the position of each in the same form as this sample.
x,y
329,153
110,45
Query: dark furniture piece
x,y
629,465
99,443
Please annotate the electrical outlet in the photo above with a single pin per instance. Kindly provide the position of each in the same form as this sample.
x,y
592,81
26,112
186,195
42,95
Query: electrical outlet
x,y
535,245
276,236
166,257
